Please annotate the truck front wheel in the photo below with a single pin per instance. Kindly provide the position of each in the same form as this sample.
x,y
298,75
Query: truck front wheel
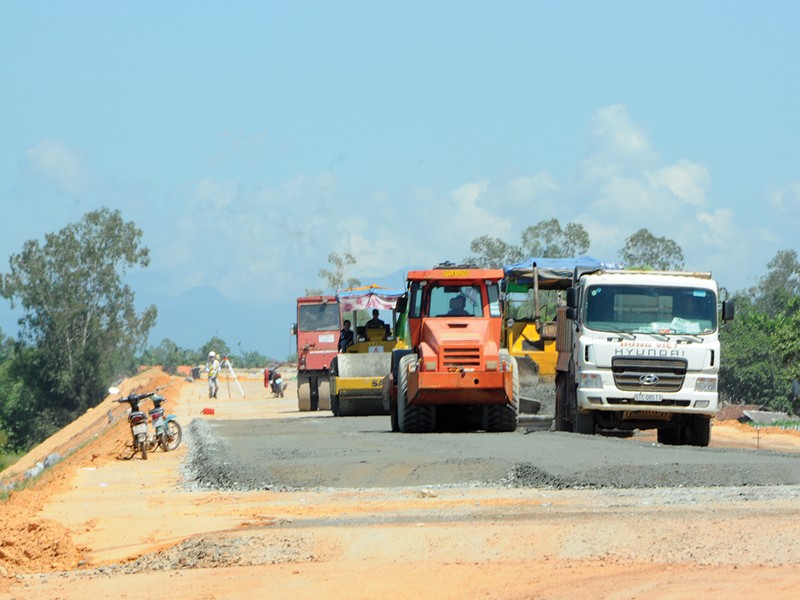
x,y
581,422
700,433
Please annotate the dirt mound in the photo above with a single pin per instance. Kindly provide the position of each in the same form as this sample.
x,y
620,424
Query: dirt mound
x,y
29,543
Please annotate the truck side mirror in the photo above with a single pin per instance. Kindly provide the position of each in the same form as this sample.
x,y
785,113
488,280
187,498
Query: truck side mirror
x,y
572,299
294,328
571,313
728,311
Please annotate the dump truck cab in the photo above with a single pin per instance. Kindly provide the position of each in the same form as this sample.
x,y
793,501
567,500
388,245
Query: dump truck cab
x,y
453,364
640,350
317,331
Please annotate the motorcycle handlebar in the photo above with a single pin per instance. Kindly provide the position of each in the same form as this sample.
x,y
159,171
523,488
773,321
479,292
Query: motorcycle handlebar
x,y
136,397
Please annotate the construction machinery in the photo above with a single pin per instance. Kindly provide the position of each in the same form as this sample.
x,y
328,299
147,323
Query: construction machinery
x,y
357,372
640,350
317,331
453,372
533,289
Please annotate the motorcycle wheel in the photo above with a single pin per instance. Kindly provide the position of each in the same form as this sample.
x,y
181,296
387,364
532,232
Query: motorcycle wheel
x,y
143,448
174,435
163,441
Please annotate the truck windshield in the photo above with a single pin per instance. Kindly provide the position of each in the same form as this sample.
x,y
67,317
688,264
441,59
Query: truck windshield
x,y
455,301
318,317
651,309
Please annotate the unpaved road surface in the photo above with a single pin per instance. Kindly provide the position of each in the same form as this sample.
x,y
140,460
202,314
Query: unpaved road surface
x,y
264,502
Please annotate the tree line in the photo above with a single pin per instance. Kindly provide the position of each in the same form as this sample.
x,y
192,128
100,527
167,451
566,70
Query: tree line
x,y
80,331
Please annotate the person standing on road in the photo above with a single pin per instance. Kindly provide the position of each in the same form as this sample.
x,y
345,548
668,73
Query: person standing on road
x,y
213,368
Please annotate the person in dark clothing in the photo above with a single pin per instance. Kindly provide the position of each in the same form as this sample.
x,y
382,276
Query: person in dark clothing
x,y
375,322
457,307
346,337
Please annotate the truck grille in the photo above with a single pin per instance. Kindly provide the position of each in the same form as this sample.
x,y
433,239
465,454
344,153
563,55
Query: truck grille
x,y
630,374
462,357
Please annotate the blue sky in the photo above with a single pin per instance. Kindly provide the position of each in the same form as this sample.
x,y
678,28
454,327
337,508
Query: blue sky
x,y
250,139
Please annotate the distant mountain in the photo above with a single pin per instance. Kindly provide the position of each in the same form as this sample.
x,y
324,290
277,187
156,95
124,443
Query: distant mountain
x,y
193,317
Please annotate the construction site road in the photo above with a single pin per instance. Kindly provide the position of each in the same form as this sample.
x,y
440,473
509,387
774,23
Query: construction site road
x,y
264,501
362,452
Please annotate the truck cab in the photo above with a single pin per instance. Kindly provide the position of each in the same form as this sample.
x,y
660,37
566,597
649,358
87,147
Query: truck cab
x,y
317,331
640,350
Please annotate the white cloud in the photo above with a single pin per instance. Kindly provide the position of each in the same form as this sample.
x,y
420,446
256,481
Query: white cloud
x,y
717,228
687,181
786,199
617,145
278,237
523,190
60,166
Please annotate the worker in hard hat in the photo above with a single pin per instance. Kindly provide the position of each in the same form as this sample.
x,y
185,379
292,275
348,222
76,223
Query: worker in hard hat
x,y
213,368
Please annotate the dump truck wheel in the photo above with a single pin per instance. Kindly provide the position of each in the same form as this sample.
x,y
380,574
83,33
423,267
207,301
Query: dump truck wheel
x,y
411,419
670,436
304,396
562,421
582,423
700,434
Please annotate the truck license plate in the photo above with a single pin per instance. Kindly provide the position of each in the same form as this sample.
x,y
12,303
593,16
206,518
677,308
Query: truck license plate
x,y
647,397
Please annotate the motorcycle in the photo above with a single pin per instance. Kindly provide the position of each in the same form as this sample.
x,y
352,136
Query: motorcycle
x,y
137,420
168,431
275,381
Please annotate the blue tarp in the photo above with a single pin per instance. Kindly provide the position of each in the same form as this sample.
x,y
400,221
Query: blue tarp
x,y
553,272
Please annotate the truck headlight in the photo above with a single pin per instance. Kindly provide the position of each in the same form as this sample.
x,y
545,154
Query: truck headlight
x,y
591,380
705,384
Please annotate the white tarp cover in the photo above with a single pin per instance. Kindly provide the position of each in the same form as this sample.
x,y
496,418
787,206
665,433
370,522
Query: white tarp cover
x,y
369,297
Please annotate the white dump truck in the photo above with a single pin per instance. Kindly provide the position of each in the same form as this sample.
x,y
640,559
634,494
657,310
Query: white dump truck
x,y
640,350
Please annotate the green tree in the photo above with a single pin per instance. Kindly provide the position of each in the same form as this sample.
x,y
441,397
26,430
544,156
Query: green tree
x,y
644,250
787,348
780,284
168,355
215,344
336,276
547,238
493,253
79,325
750,370
250,359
